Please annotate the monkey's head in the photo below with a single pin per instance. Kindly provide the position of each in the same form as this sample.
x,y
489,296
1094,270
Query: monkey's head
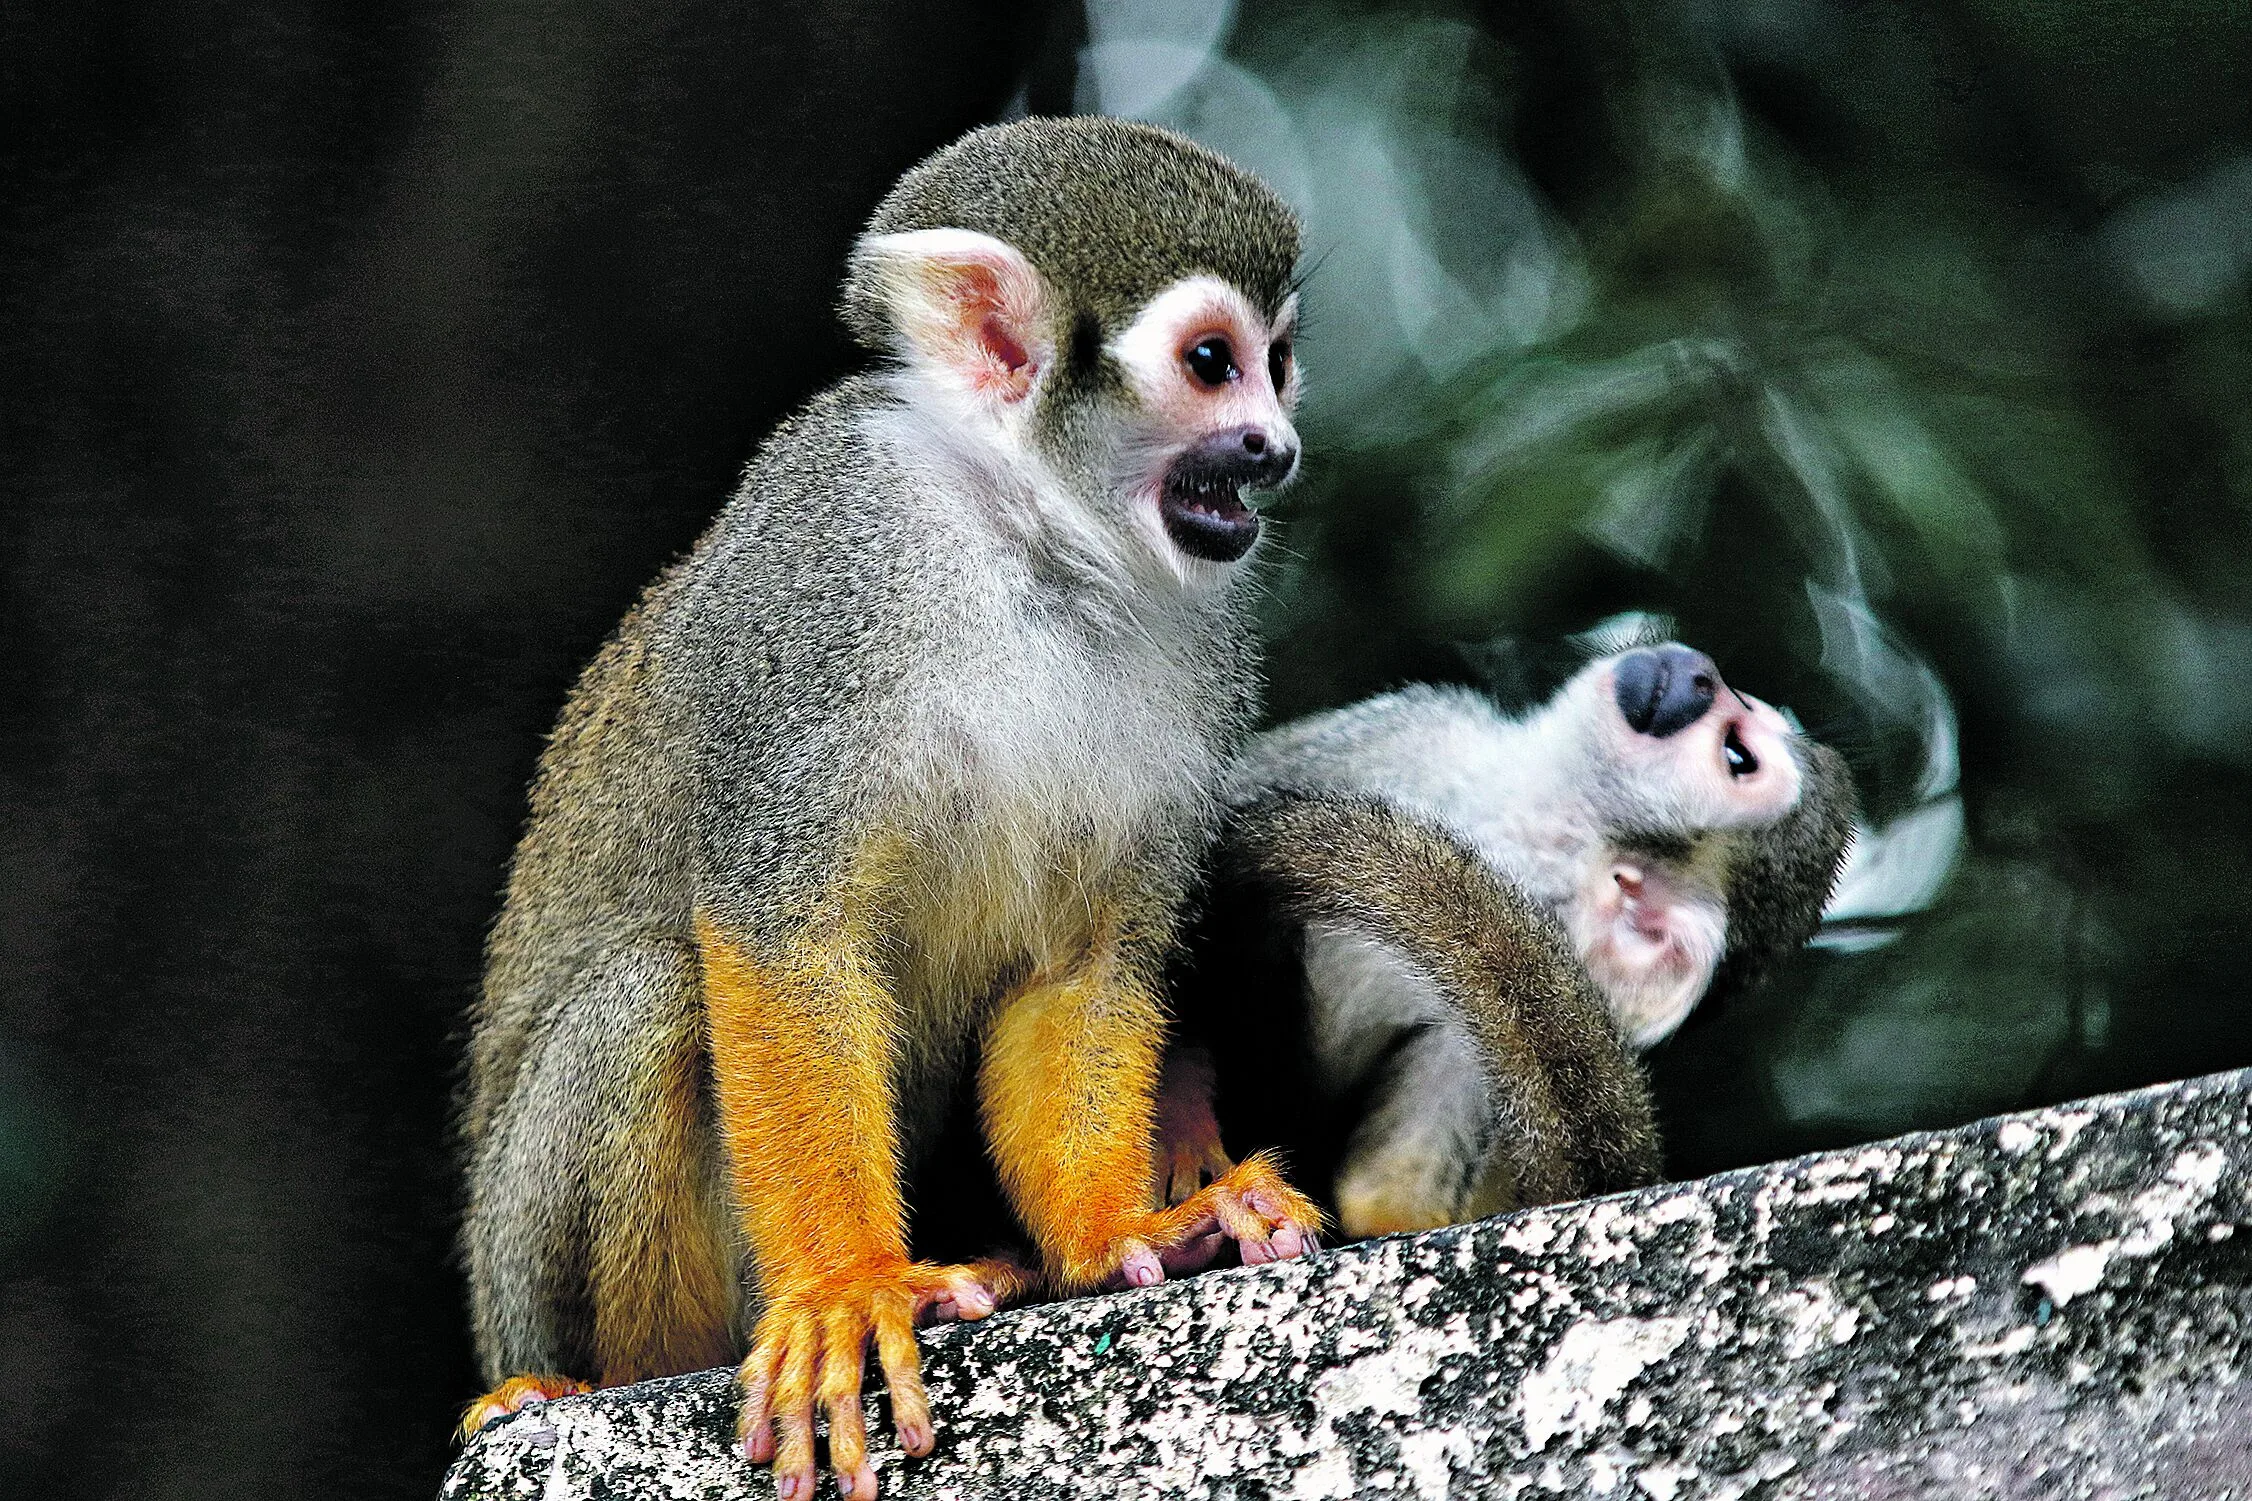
x,y
1107,302
1720,830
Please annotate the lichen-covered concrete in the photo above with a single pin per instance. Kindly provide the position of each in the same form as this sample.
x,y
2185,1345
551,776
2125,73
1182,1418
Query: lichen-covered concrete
x,y
2049,1305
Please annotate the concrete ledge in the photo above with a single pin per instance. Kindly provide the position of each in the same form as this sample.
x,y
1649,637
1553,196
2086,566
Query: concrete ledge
x,y
2051,1305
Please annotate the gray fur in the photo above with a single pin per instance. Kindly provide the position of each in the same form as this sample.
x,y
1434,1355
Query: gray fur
x,y
1532,793
1420,856
1416,961
888,628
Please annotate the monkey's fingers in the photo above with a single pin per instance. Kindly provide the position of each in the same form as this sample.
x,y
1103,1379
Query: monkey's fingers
x,y
1184,1166
515,1394
1186,1144
754,1426
903,1376
945,1294
844,1349
788,1398
1252,1206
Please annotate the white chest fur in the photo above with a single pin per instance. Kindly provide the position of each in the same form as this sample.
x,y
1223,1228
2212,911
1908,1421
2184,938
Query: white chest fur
x,y
1056,763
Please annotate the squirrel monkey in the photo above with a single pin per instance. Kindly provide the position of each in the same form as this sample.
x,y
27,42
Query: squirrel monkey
x,y
901,774
1465,914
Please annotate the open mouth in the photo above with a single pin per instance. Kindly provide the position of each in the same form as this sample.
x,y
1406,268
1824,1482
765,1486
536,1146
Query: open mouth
x,y
1741,761
1205,515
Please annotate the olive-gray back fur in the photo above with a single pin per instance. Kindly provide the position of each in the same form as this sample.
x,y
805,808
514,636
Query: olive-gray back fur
x,y
1365,1091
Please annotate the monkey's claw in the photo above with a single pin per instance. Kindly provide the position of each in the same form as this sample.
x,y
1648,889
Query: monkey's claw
x,y
810,1348
1249,1204
513,1395
973,1291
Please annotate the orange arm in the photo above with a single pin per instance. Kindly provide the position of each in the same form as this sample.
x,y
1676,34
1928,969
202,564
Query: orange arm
x,y
802,1050
1068,1088
802,1047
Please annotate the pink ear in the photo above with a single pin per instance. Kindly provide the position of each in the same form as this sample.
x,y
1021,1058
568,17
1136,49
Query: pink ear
x,y
1650,943
968,307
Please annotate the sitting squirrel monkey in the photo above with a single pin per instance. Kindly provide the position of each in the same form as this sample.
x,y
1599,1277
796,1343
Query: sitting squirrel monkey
x,y
1471,920
902,772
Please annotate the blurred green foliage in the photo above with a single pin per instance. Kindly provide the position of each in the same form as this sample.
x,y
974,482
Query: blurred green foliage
x,y
1899,356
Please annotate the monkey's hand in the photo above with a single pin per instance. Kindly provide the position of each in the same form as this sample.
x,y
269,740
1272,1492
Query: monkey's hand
x,y
513,1395
810,1346
1248,1204
1189,1153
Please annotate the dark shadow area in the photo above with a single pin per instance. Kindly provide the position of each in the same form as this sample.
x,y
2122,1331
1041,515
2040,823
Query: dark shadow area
x,y
360,365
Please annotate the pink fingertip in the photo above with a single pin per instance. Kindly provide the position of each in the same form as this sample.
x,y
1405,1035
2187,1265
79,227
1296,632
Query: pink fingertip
x,y
860,1485
916,1438
790,1486
1257,1252
1287,1242
1142,1270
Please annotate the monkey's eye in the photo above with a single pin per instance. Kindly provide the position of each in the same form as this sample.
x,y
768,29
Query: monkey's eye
x,y
1278,363
1212,361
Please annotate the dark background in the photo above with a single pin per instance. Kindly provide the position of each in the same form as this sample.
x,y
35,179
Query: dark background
x,y
358,364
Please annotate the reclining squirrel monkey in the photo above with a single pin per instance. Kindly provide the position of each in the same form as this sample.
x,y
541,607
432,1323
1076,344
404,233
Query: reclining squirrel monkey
x,y
1464,914
903,771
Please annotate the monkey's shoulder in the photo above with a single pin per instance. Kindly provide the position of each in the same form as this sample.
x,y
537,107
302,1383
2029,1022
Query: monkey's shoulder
x,y
1396,743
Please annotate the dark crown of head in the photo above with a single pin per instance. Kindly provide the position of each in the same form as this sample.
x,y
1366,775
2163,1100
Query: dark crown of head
x,y
1110,212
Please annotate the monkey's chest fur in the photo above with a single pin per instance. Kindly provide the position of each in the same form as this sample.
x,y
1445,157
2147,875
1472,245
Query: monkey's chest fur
x,y
1060,791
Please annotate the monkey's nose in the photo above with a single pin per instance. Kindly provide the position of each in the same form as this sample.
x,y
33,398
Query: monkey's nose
x,y
1661,689
1247,455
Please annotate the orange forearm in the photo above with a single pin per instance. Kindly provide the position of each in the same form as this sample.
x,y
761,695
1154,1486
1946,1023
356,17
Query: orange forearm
x,y
1068,1088
801,1053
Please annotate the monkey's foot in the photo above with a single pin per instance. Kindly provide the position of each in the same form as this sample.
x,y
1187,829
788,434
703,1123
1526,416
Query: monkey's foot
x,y
1189,1153
810,1346
1250,1204
974,1290
514,1394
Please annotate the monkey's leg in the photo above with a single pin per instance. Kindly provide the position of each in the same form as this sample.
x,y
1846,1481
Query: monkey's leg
x,y
1189,1153
1418,1151
802,1050
597,1241
1068,1085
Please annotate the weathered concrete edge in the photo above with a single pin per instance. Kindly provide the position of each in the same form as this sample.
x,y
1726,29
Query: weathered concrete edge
x,y
2051,1303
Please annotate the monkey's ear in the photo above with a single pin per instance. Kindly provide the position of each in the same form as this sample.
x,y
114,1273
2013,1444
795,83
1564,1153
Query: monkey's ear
x,y
966,307
1650,945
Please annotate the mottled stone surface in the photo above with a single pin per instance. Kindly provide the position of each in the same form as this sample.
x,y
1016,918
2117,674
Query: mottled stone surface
x,y
2047,1305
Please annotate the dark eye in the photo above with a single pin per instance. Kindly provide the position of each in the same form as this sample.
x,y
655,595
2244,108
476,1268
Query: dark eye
x,y
1278,363
1212,361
